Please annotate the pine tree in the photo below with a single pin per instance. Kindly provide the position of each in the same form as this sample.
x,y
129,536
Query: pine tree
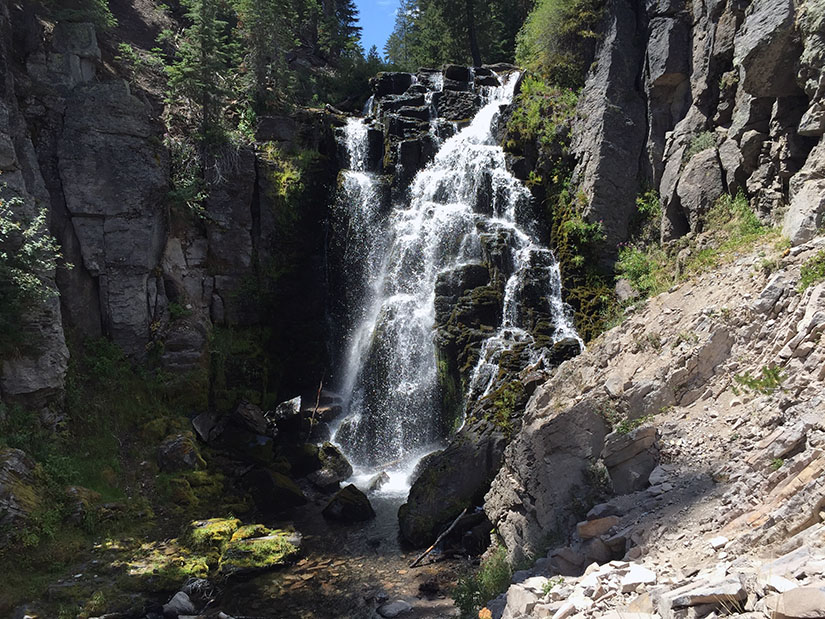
x,y
268,31
205,57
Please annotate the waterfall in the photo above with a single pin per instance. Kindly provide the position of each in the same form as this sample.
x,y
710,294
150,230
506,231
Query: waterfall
x,y
463,195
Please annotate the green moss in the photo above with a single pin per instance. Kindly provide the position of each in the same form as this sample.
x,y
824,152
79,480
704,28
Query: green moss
x,y
211,534
250,530
258,553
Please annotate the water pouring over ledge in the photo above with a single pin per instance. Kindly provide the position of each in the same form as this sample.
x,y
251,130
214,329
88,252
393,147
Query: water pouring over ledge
x,y
395,413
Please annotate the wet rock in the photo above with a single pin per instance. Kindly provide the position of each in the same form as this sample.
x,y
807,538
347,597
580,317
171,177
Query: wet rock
x,y
377,482
273,492
458,73
390,83
179,453
563,350
334,468
455,105
349,505
449,481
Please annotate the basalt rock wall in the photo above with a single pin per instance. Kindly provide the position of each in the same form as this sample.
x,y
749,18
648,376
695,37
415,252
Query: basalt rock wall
x,y
693,99
87,147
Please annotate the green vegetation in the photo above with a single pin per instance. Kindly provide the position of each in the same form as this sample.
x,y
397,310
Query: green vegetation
x,y
503,405
95,11
27,255
733,228
543,113
777,463
626,426
699,142
552,583
812,272
492,578
558,39
769,380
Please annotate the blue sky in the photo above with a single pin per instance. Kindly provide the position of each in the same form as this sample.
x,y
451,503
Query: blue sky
x,y
377,19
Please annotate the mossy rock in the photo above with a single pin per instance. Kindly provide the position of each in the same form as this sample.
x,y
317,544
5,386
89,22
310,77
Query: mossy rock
x,y
250,530
212,534
273,492
244,557
179,452
162,567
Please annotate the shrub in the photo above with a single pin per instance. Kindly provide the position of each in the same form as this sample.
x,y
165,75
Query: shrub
x,y
27,254
701,141
813,271
95,11
491,579
542,112
558,39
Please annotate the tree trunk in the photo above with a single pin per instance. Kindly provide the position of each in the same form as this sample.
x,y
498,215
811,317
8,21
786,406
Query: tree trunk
x,y
471,31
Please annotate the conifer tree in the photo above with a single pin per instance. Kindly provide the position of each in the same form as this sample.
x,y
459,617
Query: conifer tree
x,y
205,57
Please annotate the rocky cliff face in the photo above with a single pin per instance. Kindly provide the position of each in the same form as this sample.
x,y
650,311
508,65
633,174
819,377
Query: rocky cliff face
x,y
712,390
694,99
88,147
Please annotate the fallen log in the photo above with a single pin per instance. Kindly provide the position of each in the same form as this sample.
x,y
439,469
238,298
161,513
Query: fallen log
x,y
438,539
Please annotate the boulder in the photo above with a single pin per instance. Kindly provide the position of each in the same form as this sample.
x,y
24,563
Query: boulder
x,y
799,603
273,492
700,186
251,417
390,610
180,604
457,73
451,480
179,452
246,556
377,482
349,505
806,213
334,468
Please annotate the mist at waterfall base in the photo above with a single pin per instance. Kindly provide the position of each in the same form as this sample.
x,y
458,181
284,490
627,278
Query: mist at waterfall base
x,y
393,259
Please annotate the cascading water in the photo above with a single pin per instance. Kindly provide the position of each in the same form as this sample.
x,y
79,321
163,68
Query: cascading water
x,y
390,377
